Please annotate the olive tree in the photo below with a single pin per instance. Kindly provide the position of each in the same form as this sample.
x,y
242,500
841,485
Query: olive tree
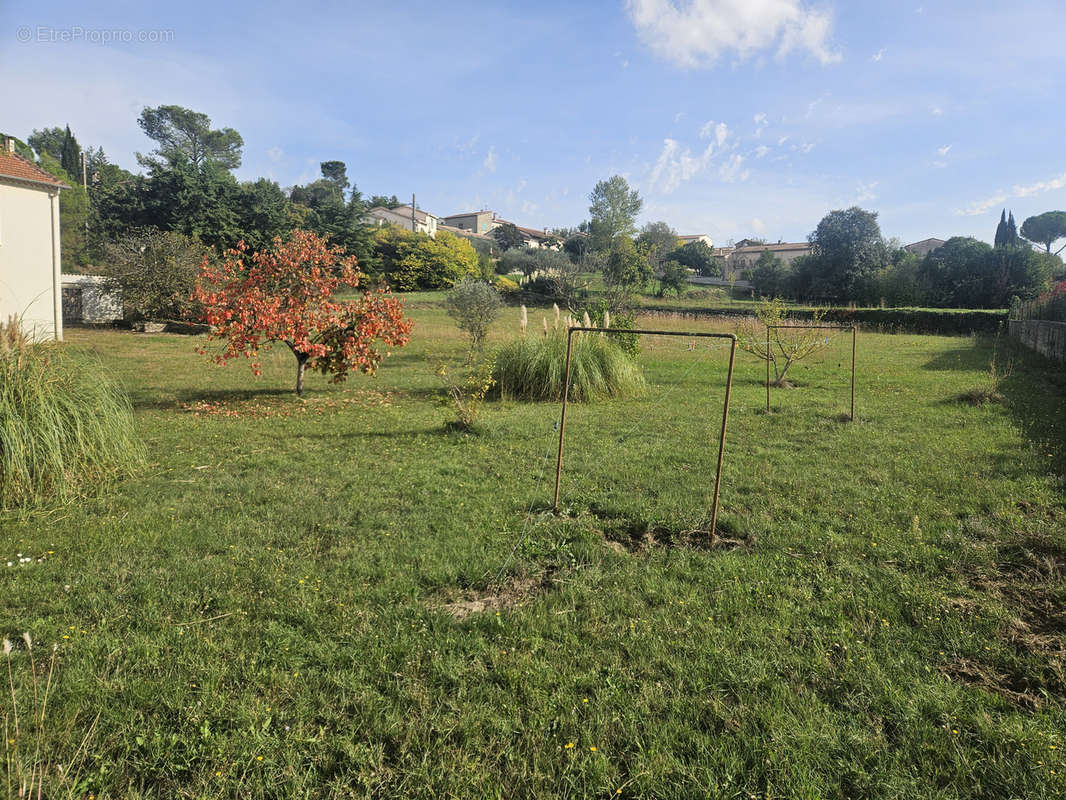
x,y
474,305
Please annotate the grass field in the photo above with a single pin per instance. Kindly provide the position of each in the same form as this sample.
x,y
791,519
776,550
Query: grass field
x,y
334,597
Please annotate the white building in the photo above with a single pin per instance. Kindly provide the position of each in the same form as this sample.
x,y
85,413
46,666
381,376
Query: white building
x,y
404,217
88,299
30,276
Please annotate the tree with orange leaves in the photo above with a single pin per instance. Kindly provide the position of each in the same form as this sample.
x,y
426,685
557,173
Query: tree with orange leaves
x,y
286,294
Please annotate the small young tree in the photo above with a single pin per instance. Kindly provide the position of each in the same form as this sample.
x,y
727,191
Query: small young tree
x,y
789,342
286,295
674,278
474,305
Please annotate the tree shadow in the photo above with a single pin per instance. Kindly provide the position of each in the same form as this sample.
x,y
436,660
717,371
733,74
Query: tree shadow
x,y
974,357
1036,396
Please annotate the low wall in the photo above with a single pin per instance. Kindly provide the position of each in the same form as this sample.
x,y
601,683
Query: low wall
x,y
1047,338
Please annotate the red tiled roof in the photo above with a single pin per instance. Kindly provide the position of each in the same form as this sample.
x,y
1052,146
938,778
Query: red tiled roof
x,y
18,168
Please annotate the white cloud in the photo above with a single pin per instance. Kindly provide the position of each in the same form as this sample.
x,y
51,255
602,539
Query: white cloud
x,y
275,153
1040,187
719,132
782,140
865,192
878,55
758,225
697,33
761,151
676,165
680,115
490,161
760,119
940,164
731,171
936,111
944,150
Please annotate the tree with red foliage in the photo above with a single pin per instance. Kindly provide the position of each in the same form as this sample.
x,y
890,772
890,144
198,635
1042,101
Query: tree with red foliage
x,y
286,295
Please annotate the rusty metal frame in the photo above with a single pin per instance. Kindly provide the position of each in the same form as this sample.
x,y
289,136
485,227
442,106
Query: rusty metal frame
x,y
854,337
725,407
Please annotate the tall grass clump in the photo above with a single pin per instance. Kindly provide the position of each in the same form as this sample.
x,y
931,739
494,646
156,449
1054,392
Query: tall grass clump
x,y
534,368
63,425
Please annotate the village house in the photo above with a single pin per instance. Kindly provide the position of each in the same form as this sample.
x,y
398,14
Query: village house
x,y
413,219
30,267
744,256
924,247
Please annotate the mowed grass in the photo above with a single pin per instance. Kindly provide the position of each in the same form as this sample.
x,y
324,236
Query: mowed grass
x,y
264,611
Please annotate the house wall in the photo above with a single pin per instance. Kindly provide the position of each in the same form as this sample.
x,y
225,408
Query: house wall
x,y
26,271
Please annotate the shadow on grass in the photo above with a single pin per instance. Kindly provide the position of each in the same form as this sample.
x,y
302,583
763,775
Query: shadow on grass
x,y
974,356
1036,396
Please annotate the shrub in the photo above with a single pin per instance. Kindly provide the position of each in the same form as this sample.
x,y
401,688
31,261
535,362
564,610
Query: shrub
x,y
474,305
534,368
155,273
415,261
505,285
63,425
465,390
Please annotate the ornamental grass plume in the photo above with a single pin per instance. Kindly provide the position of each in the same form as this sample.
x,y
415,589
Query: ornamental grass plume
x,y
606,319
586,321
523,320
64,425
535,369
555,308
545,321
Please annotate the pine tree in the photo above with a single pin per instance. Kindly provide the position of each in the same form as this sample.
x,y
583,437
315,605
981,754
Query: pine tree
x,y
70,157
1001,229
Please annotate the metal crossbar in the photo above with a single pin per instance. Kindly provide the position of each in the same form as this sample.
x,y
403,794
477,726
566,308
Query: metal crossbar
x,y
725,408
854,336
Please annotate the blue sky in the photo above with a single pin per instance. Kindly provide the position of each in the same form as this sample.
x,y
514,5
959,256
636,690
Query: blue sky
x,y
732,117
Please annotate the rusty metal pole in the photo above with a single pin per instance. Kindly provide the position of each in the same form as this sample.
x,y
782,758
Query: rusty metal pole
x,y
854,335
562,422
767,369
721,438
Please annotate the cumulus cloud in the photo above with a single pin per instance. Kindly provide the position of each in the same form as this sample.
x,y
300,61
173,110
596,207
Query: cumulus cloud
x,y
944,150
490,161
761,151
697,32
1040,187
732,170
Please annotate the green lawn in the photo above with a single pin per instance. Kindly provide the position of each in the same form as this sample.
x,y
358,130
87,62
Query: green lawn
x,y
270,608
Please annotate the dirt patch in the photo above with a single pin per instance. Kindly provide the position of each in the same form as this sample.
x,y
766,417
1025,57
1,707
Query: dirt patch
x,y
504,597
622,534
973,673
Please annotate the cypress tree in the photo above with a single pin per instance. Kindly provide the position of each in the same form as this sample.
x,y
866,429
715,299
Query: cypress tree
x,y
1001,229
1012,231
70,156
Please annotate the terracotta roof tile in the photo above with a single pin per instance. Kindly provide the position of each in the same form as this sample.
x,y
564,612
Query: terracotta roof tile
x,y
15,166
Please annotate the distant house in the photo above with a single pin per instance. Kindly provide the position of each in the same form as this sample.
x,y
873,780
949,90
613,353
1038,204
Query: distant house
x,y
30,272
744,256
403,217
923,247
536,237
696,237
474,221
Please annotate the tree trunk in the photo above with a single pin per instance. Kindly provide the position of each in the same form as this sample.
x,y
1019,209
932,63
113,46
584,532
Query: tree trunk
x,y
301,366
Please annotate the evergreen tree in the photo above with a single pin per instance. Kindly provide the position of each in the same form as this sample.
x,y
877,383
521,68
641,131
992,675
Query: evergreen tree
x,y
70,156
1012,231
1001,230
